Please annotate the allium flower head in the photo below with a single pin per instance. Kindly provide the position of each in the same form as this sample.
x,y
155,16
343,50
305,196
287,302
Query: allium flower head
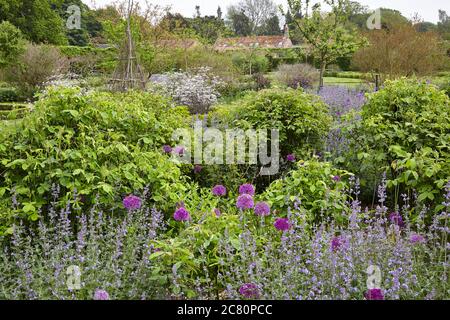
x,y
167,149
337,243
132,202
282,224
219,190
374,294
181,214
245,201
396,218
416,239
197,168
247,189
290,158
249,291
179,150
101,295
337,178
262,209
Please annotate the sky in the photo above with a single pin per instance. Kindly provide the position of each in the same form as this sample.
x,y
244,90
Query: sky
x,y
427,9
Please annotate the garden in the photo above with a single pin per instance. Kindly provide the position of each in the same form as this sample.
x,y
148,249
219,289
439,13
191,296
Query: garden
x,y
100,199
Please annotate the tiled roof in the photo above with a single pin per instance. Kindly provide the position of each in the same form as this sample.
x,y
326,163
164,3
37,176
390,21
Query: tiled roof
x,y
252,42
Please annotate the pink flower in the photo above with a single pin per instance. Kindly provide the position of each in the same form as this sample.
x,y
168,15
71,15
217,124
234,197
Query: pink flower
x,y
245,201
219,190
101,295
374,294
262,209
247,189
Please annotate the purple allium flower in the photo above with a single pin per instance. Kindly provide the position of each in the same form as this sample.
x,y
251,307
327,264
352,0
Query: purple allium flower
x,y
262,209
179,150
181,214
219,190
336,243
416,238
101,295
282,224
245,201
247,189
337,178
290,157
396,218
217,212
132,202
374,294
167,149
249,290
197,168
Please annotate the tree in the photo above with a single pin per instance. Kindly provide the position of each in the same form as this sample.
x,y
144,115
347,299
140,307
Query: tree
x,y
36,19
444,25
402,51
327,34
271,27
239,22
253,16
11,43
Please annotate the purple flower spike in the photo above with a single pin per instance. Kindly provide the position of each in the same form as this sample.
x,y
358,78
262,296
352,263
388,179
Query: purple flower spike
x,y
245,201
181,214
219,190
247,189
249,291
101,295
282,224
262,209
132,203
337,243
374,294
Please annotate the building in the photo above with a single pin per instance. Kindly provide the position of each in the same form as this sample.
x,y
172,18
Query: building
x,y
252,42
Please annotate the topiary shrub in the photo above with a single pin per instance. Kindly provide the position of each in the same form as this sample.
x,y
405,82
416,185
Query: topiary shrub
x,y
302,119
99,143
405,131
315,186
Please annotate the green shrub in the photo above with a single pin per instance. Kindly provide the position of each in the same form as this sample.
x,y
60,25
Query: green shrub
x,y
250,62
297,75
8,95
302,119
405,131
315,186
100,143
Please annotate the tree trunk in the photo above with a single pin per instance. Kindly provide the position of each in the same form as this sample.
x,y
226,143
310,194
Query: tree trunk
x,y
322,72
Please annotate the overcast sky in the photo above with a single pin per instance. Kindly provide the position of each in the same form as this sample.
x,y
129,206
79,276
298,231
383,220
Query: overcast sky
x,y
427,9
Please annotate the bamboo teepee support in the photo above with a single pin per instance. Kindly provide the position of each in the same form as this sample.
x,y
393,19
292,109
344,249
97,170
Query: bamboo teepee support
x,y
128,74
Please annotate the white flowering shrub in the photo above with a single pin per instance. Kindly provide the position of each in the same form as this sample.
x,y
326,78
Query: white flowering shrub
x,y
198,90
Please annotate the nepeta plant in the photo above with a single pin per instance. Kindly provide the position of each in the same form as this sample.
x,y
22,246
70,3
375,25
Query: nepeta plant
x,y
75,255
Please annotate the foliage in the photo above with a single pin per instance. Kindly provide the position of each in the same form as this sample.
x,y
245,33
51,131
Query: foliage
x,y
93,143
315,186
250,62
405,130
40,25
327,34
302,119
297,76
401,51
34,67
11,43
